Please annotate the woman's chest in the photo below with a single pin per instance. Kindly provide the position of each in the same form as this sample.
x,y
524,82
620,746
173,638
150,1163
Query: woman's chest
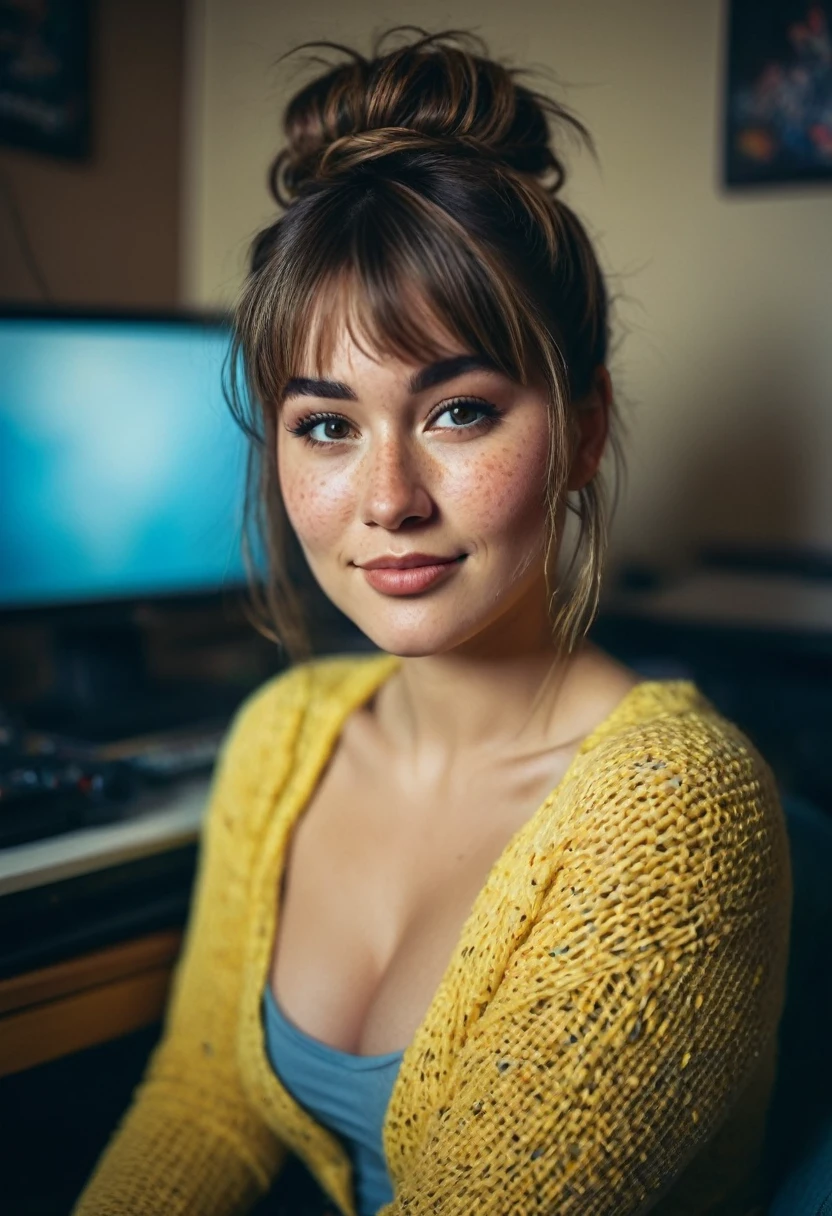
x,y
374,904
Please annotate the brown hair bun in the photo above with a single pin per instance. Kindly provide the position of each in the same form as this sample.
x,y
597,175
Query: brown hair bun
x,y
432,95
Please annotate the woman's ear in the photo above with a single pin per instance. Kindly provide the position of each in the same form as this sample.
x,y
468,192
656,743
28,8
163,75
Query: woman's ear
x,y
591,422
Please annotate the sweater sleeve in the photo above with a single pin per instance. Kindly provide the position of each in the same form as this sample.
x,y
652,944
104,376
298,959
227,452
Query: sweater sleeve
x,y
635,1009
190,1142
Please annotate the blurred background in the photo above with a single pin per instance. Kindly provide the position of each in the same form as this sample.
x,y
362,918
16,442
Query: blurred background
x,y
134,141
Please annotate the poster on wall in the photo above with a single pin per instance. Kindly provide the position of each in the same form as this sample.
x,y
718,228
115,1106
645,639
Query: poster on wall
x,y
44,76
778,96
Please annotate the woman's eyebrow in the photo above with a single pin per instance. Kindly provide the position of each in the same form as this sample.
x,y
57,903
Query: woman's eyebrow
x,y
427,377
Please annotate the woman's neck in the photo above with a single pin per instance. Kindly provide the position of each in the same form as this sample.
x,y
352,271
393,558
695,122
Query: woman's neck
x,y
504,691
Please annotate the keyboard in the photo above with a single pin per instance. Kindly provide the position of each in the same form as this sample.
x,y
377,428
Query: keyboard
x,y
50,784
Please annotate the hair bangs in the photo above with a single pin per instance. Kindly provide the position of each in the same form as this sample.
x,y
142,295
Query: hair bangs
x,y
392,276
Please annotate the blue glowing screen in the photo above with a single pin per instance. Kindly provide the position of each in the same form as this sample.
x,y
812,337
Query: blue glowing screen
x,y
121,468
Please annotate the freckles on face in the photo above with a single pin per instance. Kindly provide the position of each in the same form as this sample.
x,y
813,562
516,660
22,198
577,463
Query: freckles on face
x,y
502,491
320,503
485,493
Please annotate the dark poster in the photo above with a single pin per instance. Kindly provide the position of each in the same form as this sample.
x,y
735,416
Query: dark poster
x,y
778,124
44,75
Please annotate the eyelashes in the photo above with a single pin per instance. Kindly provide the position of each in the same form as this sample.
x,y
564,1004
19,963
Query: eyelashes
x,y
489,415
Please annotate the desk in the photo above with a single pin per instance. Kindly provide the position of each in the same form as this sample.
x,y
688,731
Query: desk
x,y
161,820
102,994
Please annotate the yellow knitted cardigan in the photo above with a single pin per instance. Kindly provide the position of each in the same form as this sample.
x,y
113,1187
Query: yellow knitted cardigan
x,y
603,1040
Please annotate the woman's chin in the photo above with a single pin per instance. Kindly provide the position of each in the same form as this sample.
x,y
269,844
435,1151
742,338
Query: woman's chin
x,y
415,640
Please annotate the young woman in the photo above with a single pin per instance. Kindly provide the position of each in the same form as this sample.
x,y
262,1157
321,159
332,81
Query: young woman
x,y
485,922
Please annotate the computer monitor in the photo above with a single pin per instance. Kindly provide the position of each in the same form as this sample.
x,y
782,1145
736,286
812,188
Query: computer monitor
x,y
121,468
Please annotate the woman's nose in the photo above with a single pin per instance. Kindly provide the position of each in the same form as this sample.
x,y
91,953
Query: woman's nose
x,y
394,489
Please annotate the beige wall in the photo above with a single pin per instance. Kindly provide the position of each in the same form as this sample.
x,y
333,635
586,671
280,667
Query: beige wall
x,y
106,232
724,321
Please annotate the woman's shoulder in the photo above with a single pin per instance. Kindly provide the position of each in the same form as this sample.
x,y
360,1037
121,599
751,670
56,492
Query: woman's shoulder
x,y
268,713
675,775
661,724
672,826
265,738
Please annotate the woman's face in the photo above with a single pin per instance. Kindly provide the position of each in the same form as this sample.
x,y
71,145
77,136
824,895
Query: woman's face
x,y
444,465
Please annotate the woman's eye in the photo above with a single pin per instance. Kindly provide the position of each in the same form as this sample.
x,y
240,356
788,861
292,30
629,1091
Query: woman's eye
x,y
322,428
467,415
331,428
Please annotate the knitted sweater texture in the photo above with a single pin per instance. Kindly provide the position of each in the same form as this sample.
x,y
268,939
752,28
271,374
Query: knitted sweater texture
x,y
603,1041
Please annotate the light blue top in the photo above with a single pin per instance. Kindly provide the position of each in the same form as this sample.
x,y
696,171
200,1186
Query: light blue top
x,y
348,1094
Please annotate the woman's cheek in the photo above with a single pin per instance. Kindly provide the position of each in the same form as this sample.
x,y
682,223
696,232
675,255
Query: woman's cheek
x,y
319,508
503,490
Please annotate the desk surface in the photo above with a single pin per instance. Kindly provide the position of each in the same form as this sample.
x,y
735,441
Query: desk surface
x,y
735,598
162,820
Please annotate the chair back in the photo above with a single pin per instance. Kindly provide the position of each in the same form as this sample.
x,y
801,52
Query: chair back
x,y
798,1151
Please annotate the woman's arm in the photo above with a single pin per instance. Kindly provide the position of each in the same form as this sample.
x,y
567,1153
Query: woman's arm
x,y
639,1004
190,1142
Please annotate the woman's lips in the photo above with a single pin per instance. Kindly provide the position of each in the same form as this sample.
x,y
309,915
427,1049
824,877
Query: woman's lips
x,y
407,582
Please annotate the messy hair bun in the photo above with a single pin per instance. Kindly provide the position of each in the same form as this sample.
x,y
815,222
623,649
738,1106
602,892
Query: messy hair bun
x,y
430,95
424,174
